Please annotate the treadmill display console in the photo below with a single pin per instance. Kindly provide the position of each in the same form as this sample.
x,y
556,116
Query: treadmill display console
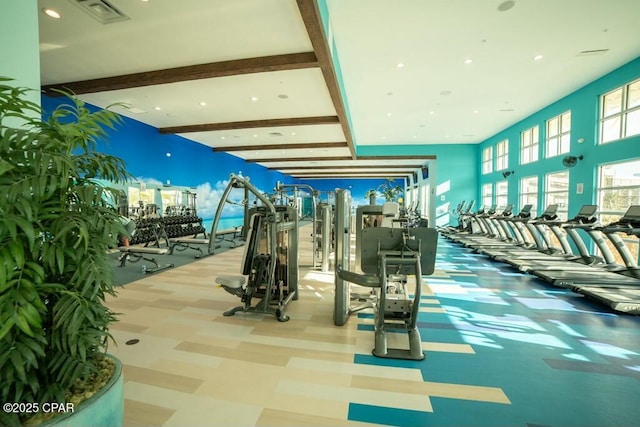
x,y
632,214
587,210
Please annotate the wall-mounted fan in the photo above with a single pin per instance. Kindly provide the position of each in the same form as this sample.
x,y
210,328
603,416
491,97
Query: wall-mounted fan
x,y
571,161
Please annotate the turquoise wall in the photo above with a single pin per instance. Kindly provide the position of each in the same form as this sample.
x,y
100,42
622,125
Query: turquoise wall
x,y
457,169
584,106
19,49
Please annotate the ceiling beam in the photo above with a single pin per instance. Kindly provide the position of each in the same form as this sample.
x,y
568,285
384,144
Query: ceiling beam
x,y
291,61
343,167
356,175
296,159
407,157
311,18
251,124
261,147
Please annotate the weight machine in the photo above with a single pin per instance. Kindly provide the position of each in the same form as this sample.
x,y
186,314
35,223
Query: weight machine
x,y
324,227
270,261
282,188
389,256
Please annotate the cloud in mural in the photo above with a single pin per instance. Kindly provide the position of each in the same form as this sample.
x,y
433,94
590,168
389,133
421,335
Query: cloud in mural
x,y
208,198
151,181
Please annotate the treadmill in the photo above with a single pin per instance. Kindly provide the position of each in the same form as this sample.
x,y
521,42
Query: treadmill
x,y
565,258
620,297
540,251
568,274
518,242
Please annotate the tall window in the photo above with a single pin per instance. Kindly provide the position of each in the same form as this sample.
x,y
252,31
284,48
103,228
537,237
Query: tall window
x,y
557,192
502,155
502,196
487,196
487,160
620,113
558,134
619,188
529,145
529,193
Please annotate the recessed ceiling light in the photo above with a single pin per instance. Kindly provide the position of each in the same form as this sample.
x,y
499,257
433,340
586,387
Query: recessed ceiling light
x,y
255,135
222,137
293,133
157,108
400,65
431,113
468,61
52,13
475,111
506,5
254,98
537,57
203,104
388,114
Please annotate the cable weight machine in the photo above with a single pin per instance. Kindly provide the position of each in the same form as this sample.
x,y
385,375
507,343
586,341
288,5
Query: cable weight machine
x,y
270,261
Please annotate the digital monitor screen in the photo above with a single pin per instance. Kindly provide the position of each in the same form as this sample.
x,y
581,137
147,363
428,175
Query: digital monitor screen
x,y
588,210
470,206
633,212
507,209
551,210
526,209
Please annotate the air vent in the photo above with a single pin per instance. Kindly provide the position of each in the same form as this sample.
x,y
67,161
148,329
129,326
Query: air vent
x,y
275,134
101,10
593,52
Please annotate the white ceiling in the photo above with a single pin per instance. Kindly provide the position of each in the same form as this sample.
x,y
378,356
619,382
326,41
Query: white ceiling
x,y
296,118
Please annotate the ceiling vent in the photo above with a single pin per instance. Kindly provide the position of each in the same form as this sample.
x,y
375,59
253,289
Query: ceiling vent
x,y
275,134
101,10
593,52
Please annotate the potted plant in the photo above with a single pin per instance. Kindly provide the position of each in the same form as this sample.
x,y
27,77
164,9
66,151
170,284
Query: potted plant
x,y
56,226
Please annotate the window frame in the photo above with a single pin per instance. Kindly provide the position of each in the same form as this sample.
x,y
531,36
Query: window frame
x,y
622,116
487,195
487,160
502,198
557,137
502,155
526,197
530,144
563,208
633,243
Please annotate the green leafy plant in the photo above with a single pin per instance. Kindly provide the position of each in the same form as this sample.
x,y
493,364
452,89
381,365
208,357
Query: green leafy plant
x,y
56,226
387,189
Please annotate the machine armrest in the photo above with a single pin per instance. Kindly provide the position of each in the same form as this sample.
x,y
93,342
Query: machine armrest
x,y
369,280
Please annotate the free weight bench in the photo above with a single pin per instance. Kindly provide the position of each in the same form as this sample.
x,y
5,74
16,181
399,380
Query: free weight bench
x,y
137,253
